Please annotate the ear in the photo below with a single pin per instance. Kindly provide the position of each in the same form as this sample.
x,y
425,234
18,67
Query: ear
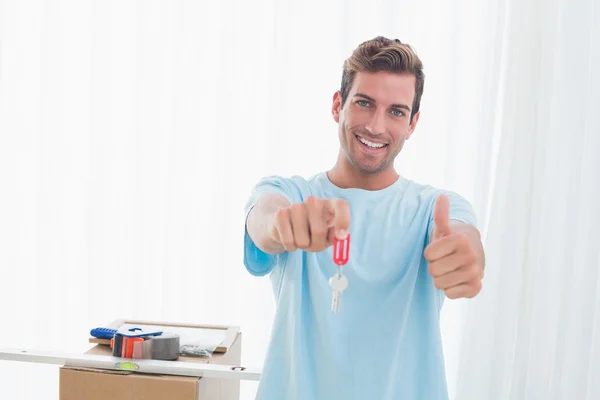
x,y
413,124
336,107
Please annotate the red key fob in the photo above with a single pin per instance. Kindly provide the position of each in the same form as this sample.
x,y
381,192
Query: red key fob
x,y
341,250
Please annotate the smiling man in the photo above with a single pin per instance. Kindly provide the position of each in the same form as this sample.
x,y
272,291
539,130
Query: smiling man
x,y
412,245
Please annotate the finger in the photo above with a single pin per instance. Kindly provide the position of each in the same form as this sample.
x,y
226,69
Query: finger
x,y
341,217
299,219
283,228
468,290
330,236
462,275
444,247
441,216
446,265
317,224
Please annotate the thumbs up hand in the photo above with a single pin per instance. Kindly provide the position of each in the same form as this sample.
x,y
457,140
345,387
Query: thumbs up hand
x,y
453,254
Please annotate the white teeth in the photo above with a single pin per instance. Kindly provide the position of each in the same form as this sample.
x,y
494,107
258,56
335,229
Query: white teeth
x,y
371,144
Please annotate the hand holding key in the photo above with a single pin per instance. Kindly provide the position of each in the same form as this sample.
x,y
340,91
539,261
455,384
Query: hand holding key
x,y
311,225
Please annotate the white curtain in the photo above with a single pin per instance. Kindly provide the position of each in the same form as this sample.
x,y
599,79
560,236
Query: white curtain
x,y
131,133
535,331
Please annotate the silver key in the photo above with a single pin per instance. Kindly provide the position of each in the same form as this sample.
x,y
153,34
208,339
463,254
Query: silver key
x,y
338,283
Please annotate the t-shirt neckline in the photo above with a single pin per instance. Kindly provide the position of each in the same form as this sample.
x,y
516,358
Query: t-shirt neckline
x,y
398,185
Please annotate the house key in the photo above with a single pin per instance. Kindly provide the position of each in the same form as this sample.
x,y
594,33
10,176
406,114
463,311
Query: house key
x,y
338,282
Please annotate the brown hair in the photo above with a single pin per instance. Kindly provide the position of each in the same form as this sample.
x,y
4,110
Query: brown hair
x,y
383,54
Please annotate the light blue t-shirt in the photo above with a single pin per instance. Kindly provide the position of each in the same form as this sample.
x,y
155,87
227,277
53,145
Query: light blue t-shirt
x,y
384,342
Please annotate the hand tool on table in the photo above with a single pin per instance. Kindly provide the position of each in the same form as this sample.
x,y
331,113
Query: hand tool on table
x,y
137,343
108,333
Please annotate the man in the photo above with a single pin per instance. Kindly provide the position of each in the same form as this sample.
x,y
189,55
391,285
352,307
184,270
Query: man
x,y
411,245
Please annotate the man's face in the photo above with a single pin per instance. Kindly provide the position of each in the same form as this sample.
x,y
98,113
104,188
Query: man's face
x,y
375,120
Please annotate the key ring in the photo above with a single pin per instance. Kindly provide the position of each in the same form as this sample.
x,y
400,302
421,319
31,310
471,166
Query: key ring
x,y
341,251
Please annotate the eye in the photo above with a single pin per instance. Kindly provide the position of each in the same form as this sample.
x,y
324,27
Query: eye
x,y
363,103
397,112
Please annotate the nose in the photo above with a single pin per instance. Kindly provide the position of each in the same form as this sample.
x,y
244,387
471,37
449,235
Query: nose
x,y
376,125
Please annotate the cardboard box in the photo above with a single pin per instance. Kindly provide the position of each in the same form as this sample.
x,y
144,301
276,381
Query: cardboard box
x,y
94,384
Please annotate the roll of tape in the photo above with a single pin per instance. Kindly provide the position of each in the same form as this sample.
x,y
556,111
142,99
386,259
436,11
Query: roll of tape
x,y
163,347
117,344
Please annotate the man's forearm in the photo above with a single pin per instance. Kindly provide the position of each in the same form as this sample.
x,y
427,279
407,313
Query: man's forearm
x,y
260,222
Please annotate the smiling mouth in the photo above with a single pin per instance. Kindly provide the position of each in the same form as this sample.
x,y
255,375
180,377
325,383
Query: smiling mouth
x,y
370,145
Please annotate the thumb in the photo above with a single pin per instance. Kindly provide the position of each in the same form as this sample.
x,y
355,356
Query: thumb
x,y
441,216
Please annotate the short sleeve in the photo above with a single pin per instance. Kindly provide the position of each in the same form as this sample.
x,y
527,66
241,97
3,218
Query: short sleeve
x,y
256,261
460,210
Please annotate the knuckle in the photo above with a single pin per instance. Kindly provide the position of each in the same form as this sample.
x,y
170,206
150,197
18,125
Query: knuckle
x,y
289,247
302,243
472,289
312,201
341,205
318,231
471,256
427,254
340,202
297,208
282,215
463,239
322,239
451,294
432,268
474,273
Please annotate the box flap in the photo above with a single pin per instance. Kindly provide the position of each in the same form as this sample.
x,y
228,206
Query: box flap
x,y
77,384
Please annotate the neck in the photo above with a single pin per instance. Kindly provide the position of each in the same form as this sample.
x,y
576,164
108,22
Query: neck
x,y
344,175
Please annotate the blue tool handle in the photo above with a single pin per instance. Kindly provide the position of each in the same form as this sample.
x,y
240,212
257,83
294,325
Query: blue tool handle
x,y
103,333
138,332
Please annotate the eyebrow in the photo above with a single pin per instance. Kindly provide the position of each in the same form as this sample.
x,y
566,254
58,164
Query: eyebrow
x,y
404,106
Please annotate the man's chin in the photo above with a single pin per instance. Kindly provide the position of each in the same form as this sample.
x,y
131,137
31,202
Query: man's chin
x,y
369,168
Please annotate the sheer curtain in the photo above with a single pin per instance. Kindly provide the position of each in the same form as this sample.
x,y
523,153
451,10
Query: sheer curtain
x,y
131,133
534,332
